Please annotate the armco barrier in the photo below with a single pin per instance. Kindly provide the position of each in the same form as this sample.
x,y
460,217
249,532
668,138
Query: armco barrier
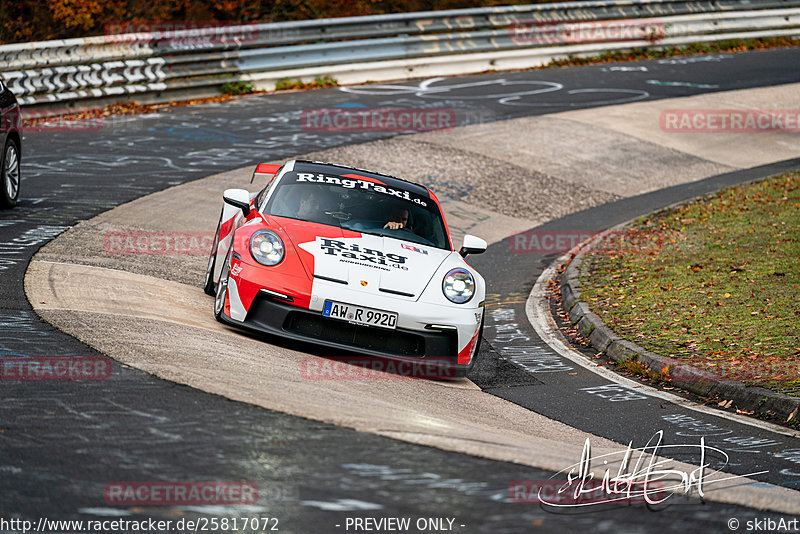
x,y
157,64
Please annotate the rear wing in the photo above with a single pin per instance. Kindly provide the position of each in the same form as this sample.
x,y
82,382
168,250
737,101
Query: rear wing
x,y
265,170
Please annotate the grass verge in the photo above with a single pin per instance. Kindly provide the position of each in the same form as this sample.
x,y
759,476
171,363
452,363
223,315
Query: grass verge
x,y
237,88
320,82
714,283
692,49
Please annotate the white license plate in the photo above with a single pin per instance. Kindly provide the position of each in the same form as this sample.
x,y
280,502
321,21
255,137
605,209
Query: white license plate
x,y
359,314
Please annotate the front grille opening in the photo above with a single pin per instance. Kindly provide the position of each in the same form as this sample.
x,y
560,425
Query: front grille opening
x,y
396,292
357,336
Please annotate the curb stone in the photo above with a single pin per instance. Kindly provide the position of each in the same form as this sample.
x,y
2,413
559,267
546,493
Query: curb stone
x,y
697,381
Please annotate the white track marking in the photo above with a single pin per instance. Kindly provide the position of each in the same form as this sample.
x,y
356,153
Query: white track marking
x,y
636,95
426,89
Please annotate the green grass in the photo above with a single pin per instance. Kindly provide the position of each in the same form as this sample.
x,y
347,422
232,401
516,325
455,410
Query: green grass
x,y
714,283
237,88
320,82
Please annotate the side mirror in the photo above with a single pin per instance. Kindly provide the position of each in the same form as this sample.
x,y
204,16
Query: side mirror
x,y
238,198
472,245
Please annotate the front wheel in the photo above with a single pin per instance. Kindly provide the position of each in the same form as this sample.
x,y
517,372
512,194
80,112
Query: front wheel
x,y
478,343
9,175
222,287
210,287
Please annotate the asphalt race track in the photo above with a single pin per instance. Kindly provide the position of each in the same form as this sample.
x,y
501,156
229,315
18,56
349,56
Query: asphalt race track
x,y
63,442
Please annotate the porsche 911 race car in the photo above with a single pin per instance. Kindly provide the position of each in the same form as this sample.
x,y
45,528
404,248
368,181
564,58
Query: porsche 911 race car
x,y
349,259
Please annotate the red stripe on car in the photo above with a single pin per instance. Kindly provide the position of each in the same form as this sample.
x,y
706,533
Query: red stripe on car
x,y
363,178
466,355
267,168
225,228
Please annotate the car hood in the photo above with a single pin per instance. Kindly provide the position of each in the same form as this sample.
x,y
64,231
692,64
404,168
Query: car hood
x,y
374,264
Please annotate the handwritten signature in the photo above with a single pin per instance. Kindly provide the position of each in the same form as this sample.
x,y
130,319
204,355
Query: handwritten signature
x,y
649,479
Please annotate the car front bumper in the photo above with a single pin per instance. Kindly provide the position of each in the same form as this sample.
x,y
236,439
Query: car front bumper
x,y
430,353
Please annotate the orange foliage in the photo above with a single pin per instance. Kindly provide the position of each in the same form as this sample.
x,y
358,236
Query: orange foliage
x,y
80,14
41,20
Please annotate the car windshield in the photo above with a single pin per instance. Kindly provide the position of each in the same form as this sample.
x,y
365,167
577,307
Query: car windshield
x,y
362,205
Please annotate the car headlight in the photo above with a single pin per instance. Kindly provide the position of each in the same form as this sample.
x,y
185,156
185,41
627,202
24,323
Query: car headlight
x,y
266,247
458,286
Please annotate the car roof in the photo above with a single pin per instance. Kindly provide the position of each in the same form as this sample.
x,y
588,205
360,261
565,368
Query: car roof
x,y
339,170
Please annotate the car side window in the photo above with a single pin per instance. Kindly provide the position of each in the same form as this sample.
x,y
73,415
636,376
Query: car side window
x,y
263,192
260,196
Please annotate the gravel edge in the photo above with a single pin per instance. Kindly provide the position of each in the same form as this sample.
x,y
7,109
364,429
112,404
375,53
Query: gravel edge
x,y
748,398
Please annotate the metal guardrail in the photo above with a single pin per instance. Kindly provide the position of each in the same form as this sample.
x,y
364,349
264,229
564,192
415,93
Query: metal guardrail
x,y
116,65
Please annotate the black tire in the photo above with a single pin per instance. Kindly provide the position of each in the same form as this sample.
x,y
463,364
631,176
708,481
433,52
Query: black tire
x,y
210,287
478,344
222,286
9,175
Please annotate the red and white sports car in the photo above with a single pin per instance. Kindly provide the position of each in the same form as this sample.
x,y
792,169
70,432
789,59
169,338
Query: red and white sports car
x,y
351,259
